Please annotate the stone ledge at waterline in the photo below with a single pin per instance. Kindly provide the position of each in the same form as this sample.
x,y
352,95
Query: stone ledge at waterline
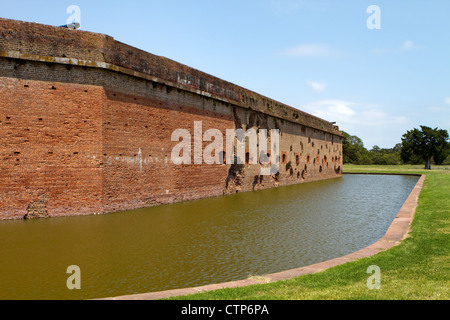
x,y
86,125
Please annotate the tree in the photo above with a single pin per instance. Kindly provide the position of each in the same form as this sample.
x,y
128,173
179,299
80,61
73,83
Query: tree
x,y
441,154
353,149
383,156
397,148
426,143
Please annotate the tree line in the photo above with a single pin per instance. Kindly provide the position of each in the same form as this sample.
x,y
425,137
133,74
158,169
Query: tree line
x,y
418,146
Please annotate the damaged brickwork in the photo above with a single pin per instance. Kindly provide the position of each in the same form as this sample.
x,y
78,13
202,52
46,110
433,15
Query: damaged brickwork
x,y
38,208
86,124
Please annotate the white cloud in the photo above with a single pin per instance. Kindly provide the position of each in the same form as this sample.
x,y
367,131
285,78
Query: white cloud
x,y
332,110
379,51
317,86
444,108
438,109
310,50
370,122
351,113
407,45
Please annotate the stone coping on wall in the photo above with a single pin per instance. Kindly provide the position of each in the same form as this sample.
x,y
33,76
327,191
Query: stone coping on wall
x,y
398,230
49,44
274,108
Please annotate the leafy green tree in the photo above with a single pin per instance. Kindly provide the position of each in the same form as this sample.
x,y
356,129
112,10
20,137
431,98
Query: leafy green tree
x,y
390,159
447,161
397,148
376,155
382,156
353,149
442,153
426,143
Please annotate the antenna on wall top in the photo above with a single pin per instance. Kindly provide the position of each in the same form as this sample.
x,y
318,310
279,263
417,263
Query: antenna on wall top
x,y
73,26
74,20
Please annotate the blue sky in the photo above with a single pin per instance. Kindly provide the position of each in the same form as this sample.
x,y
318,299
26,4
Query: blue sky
x,y
315,55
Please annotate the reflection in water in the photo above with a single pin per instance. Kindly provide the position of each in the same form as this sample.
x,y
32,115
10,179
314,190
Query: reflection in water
x,y
198,242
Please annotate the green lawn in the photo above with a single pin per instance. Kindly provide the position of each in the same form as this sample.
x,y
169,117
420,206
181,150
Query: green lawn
x,y
418,268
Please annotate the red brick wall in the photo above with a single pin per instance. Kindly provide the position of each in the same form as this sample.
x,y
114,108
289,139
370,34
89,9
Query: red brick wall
x,y
80,149
137,147
50,148
73,149
78,140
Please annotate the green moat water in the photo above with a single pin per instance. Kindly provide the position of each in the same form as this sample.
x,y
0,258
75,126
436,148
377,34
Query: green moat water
x,y
198,242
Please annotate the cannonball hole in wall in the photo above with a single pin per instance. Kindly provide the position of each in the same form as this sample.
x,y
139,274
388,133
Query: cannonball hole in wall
x,y
283,158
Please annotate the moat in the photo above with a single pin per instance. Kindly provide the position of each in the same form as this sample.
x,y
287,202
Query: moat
x,y
198,242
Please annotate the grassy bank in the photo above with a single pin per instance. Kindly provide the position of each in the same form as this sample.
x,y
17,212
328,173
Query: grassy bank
x,y
418,268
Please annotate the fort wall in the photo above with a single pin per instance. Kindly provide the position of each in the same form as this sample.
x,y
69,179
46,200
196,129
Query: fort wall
x,y
86,124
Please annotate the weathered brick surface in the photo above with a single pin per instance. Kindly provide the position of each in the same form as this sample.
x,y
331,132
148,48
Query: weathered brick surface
x,y
310,154
84,140
50,148
137,148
